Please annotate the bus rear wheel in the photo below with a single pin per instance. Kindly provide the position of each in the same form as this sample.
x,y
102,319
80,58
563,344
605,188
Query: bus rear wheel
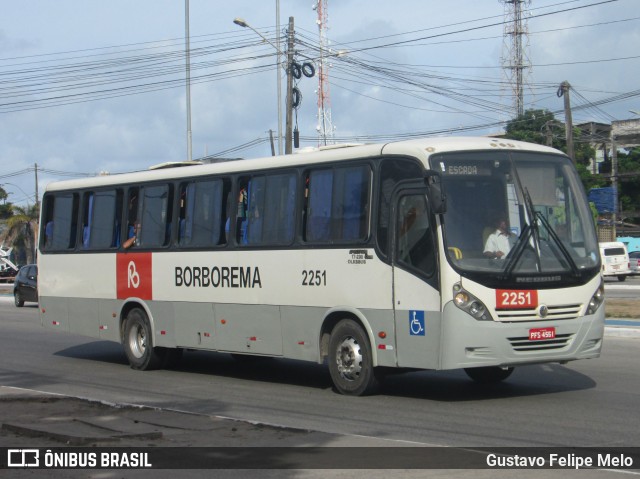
x,y
489,374
350,360
138,343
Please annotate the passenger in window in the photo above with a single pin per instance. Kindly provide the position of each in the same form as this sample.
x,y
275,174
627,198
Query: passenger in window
x,y
48,234
500,242
241,217
133,236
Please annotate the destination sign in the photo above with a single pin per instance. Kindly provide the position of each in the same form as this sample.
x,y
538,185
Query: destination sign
x,y
469,169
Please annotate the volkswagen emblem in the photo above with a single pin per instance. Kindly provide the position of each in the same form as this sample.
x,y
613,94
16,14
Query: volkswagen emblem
x,y
543,311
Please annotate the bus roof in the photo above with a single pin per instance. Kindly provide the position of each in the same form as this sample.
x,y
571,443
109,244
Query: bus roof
x,y
420,148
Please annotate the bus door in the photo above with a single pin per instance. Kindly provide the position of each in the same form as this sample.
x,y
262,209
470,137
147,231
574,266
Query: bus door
x,y
415,280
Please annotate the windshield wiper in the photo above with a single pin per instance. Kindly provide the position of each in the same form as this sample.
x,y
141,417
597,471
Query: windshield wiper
x,y
556,239
531,229
515,254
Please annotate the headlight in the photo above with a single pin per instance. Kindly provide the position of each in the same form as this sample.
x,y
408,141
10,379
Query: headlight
x,y
469,303
597,299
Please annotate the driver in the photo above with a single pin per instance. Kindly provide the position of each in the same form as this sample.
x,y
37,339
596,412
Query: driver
x,y
500,242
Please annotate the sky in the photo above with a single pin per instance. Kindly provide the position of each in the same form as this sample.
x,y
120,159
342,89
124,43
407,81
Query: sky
x,y
88,87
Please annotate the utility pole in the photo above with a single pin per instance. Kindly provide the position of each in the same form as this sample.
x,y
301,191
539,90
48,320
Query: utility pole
x,y
564,91
37,194
273,147
614,184
188,72
279,77
548,135
36,230
288,147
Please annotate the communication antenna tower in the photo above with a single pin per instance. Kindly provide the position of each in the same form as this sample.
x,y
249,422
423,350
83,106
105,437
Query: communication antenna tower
x,y
325,126
515,59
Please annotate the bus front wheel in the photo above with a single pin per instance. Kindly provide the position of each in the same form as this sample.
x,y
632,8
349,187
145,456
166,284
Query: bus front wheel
x,y
138,343
350,360
489,374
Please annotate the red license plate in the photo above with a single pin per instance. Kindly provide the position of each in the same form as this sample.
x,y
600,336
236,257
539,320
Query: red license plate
x,y
516,298
541,334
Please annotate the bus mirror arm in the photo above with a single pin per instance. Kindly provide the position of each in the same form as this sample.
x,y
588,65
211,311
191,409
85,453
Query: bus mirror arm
x,y
436,193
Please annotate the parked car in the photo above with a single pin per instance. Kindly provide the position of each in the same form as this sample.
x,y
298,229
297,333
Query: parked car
x,y
25,286
634,262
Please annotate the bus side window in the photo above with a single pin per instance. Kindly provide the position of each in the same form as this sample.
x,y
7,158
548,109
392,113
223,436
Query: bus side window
x,y
87,215
318,215
46,234
132,218
338,204
100,219
202,213
269,215
117,220
155,213
415,248
392,171
241,211
61,221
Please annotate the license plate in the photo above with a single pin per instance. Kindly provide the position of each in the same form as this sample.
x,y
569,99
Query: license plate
x,y
616,266
541,334
516,298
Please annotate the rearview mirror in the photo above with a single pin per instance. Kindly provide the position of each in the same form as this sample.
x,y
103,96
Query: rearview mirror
x,y
437,195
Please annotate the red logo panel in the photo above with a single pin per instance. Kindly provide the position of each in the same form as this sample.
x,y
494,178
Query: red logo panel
x,y
133,275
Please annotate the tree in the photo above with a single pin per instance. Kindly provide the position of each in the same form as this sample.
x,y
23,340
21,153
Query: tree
x,y
540,126
5,208
21,232
533,126
629,187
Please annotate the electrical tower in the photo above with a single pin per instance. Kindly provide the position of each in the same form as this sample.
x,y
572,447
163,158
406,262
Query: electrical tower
x,y
515,60
325,126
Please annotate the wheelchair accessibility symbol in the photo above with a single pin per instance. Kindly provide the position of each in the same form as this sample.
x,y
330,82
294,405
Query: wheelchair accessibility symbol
x,y
416,323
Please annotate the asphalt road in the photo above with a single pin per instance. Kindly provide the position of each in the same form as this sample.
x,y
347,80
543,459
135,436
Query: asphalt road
x,y
627,289
584,403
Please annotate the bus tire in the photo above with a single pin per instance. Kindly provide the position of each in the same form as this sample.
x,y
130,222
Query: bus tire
x,y
489,374
350,360
138,343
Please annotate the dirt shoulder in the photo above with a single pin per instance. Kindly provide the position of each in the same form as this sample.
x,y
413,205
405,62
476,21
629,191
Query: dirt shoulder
x,y
622,308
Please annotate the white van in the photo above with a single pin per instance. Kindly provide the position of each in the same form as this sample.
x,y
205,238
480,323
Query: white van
x,y
615,260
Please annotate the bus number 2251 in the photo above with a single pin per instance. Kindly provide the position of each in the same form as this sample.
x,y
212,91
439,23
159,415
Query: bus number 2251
x,y
314,277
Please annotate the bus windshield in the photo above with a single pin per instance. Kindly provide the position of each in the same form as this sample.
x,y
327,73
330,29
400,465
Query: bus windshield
x,y
517,217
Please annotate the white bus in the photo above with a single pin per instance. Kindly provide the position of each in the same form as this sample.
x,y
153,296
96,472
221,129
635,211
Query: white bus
x,y
365,257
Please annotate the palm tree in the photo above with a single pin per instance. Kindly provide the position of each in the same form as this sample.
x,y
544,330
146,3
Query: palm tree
x,y
22,227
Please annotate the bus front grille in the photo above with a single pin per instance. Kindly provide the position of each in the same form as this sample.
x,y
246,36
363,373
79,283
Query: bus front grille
x,y
525,344
567,311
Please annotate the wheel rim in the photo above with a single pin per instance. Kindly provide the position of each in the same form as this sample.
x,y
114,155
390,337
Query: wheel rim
x,y
137,341
349,359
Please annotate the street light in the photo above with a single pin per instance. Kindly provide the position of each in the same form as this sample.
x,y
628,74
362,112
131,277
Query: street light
x,y
242,23
27,195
